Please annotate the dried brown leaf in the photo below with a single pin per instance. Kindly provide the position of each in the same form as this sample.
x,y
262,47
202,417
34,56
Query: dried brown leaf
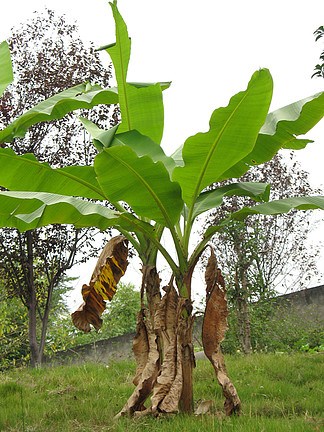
x,y
170,402
148,375
176,336
167,375
140,346
90,311
151,282
203,407
215,319
211,272
213,333
110,267
165,320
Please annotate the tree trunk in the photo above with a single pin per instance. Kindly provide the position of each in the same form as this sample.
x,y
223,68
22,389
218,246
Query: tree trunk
x,y
247,329
246,316
240,323
243,315
164,352
32,305
188,365
45,321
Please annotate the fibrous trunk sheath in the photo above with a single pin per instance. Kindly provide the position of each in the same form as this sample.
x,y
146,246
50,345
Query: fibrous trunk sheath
x,y
163,352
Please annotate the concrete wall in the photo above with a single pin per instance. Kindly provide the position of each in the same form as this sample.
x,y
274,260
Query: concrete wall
x,y
113,349
309,302
103,351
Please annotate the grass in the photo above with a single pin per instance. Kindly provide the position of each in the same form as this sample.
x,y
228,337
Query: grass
x,y
278,393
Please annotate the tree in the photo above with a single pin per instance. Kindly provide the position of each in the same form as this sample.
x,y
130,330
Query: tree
x,y
14,346
119,318
121,314
263,252
319,68
162,194
48,57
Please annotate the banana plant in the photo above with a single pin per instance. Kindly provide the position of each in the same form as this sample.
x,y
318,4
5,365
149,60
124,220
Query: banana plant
x,y
5,67
153,194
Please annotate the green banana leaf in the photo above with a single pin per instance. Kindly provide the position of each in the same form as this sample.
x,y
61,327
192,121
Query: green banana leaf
x,y
6,76
26,173
164,85
56,107
28,210
232,135
145,111
101,138
271,208
214,198
143,184
281,206
141,106
280,130
177,156
141,144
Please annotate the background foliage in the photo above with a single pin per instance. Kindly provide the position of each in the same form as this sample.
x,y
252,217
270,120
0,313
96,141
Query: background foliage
x,y
48,56
119,318
274,328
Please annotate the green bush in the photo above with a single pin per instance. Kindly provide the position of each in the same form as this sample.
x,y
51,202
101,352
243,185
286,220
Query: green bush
x,y
14,346
278,327
119,318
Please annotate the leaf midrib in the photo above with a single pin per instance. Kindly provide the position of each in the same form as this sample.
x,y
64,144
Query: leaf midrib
x,y
145,184
214,146
55,171
123,73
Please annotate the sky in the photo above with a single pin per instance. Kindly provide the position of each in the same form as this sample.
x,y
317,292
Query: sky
x,y
209,49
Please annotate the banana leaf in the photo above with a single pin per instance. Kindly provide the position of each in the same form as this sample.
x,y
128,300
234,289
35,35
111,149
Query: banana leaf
x,y
232,135
56,107
6,76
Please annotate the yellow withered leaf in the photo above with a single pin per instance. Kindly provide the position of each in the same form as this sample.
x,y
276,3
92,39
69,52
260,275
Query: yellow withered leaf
x,y
110,267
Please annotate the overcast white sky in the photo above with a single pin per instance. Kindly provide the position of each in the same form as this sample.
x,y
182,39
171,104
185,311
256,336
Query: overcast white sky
x,y
208,49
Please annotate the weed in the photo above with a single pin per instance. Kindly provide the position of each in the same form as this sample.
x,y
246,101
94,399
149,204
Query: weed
x,y
278,393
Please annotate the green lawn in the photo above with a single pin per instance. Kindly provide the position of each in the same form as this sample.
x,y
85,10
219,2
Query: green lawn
x,y
278,393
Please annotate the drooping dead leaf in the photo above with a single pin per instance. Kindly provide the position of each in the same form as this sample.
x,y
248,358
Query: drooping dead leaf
x,y
146,376
140,346
213,332
90,311
215,319
165,319
203,407
185,325
166,377
165,324
173,323
211,272
151,285
170,402
176,331
110,267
